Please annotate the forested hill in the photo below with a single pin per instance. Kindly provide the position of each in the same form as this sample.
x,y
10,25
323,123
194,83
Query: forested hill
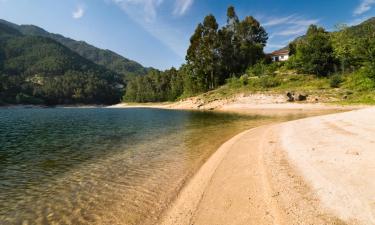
x,y
365,28
107,58
40,70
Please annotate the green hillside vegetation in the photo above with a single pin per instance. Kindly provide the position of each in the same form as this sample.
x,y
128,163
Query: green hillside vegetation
x,y
214,55
39,70
333,66
112,61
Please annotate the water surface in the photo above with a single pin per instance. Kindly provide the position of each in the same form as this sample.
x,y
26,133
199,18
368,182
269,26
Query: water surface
x,y
104,166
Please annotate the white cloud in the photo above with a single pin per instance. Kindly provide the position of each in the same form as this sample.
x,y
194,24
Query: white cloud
x,y
145,13
285,29
290,20
79,12
277,21
146,9
182,6
291,25
292,31
363,7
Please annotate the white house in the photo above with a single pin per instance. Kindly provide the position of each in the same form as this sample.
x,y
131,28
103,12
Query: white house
x,y
280,55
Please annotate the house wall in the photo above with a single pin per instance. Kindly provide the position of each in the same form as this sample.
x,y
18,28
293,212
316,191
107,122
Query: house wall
x,y
280,58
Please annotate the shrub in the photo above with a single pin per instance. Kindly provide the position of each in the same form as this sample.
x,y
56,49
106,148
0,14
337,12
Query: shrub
x,y
26,99
336,81
269,82
360,80
262,68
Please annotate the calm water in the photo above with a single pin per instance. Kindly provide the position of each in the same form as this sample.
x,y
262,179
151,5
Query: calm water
x,y
103,166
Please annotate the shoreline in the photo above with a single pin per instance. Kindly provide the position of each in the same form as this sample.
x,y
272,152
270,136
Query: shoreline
x,y
283,173
254,103
263,171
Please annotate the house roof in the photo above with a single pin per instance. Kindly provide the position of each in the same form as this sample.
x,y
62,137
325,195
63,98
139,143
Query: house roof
x,y
280,52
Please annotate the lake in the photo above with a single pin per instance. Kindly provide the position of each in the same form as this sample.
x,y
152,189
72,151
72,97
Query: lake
x,y
104,166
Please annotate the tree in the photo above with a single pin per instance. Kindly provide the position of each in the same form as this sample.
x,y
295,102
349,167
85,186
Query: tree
x,y
252,38
203,54
344,47
314,53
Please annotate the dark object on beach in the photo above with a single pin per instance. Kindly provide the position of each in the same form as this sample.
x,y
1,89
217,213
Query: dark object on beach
x,y
296,97
290,96
302,97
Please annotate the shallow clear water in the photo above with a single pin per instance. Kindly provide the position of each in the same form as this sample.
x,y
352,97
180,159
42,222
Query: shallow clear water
x,y
103,166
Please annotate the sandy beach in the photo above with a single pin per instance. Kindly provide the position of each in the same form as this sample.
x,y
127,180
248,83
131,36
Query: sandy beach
x,y
317,170
254,103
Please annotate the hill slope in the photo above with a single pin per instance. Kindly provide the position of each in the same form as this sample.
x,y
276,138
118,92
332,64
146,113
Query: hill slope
x,y
106,58
39,70
363,29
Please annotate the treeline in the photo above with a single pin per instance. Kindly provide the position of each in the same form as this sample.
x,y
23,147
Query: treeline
x,y
236,51
39,70
214,55
346,50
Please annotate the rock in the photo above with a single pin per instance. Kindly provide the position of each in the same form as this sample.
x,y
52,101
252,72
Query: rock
x,y
302,97
290,96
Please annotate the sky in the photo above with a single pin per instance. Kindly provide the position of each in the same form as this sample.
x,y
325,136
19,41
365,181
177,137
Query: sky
x,y
156,33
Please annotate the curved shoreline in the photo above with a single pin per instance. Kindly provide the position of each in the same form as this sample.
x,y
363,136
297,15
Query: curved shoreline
x,y
259,177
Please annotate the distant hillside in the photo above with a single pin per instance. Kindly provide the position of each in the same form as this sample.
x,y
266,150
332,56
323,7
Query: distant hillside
x,y
363,29
40,70
107,58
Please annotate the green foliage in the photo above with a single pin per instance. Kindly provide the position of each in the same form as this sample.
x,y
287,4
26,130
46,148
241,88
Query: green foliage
x,y
112,61
314,53
27,99
35,70
269,82
336,80
214,55
262,68
361,80
156,86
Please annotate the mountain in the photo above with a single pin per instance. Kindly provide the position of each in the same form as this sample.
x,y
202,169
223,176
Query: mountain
x,y
106,58
40,70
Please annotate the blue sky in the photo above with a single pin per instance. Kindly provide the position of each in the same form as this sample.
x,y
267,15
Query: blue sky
x,y
156,32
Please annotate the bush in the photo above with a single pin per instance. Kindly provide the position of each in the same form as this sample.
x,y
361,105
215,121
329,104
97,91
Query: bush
x,y
360,80
26,99
269,82
234,82
336,81
262,68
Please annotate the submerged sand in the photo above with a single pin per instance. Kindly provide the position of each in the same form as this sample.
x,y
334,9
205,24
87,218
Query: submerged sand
x,y
318,170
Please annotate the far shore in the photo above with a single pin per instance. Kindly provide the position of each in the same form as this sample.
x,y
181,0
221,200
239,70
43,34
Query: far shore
x,y
254,104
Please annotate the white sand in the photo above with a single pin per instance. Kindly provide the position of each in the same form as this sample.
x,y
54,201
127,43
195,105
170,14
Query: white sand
x,y
319,170
336,155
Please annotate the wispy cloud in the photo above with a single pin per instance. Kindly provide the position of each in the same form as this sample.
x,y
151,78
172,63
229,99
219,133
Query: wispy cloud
x,y
292,31
363,7
145,9
357,20
290,20
291,25
145,13
284,29
182,6
277,21
79,12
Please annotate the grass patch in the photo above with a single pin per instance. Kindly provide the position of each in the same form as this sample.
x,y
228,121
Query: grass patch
x,y
349,89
